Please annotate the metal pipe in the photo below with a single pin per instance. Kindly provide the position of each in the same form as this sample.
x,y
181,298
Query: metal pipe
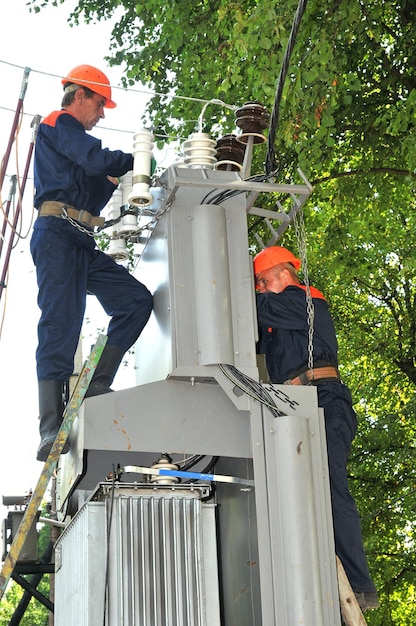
x,y
35,125
6,157
6,212
52,522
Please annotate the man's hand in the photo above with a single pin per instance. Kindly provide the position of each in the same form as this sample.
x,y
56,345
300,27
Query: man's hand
x,y
114,180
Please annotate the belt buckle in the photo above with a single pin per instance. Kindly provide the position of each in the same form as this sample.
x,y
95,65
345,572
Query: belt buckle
x,y
85,220
304,378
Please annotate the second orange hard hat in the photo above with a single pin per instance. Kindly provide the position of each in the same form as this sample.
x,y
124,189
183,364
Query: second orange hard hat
x,y
274,255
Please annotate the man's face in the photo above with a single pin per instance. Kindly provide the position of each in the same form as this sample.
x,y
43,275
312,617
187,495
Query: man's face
x,y
91,110
270,280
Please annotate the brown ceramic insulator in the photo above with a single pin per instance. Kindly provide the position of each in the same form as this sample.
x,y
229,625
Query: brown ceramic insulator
x,y
230,153
252,118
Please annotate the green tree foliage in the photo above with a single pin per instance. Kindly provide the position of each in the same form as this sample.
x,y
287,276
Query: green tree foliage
x,y
35,614
347,119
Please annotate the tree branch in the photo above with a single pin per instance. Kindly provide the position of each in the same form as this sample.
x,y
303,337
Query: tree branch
x,y
372,170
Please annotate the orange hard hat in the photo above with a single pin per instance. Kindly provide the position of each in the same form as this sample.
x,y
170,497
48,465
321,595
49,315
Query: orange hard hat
x,y
274,255
92,78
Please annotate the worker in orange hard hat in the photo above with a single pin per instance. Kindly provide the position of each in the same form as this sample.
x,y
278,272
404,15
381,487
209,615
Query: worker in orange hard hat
x,y
90,78
87,91
74,180
274,255
283,306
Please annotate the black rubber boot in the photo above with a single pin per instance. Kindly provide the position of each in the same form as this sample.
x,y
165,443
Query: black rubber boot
x,y
51,407
105,371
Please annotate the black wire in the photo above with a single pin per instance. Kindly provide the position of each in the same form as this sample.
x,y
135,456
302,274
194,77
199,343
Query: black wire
x,y
209,468
191,462
271,163
110,518
225,194
252,388
206,470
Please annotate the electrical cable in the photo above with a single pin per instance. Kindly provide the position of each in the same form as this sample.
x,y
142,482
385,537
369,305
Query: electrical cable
x,y
210,467
147,92
110,519
271,160
223,195
191,462
251,387
207,469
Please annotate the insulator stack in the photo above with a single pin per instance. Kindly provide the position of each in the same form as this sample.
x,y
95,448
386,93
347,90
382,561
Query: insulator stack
x,y
230,153
128,224
114,209
164,463
118,250
117,247
143,152
126,187
199,151
252,118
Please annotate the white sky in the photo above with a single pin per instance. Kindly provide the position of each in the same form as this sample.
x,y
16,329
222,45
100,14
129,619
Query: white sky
x,y
45,43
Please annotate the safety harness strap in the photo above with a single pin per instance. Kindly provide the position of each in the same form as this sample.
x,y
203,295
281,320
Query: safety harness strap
x,y
312,376
60,209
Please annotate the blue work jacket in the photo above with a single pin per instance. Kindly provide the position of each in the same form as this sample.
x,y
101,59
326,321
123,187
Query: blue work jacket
x,y
283,326
70,166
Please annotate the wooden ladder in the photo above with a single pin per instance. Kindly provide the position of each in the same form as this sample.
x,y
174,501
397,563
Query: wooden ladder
x,y
350,609
69,415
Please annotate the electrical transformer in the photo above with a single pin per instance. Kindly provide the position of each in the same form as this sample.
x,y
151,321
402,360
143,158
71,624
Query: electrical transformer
x,y
248,542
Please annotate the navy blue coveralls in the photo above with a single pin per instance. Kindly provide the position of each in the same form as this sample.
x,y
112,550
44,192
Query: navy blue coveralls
x,y
71,167
283,322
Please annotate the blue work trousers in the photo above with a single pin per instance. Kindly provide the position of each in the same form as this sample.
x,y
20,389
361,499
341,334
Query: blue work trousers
x,y
68,266
341,426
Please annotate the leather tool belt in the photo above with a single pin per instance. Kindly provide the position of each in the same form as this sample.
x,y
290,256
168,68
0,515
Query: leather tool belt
x,y
314,376
60,209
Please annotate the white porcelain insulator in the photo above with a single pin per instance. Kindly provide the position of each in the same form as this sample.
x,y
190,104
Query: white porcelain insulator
x,y
126,187
128,225
118,250
199,151
114,208
164,480
143,152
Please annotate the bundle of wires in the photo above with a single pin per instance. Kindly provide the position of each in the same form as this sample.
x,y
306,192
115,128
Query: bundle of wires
x,y
251,387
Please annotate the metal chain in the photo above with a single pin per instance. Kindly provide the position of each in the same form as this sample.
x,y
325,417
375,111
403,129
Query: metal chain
x,y
96,233
299,225
77,225
116,220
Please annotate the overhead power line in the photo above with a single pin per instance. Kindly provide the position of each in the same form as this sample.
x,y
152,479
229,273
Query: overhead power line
x,y
271,164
